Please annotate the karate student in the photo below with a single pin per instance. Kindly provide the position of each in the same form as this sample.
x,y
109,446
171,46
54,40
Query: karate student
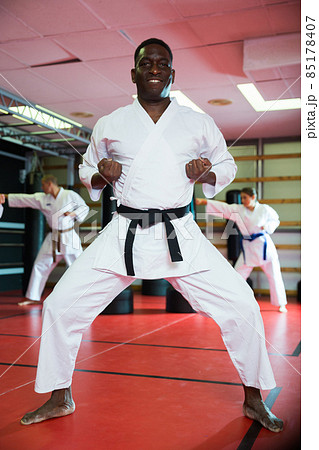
x,y
255,222
153,151
61,208
2,200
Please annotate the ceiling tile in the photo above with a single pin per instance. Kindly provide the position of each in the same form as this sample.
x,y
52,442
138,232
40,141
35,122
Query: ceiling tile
x,y
99,44
189,8
117,70
53,17
229,92
66,108
78,80
7,62
196,68
13,28
122,12
177,35
294,87
26,84
232,27
284,18
293,71
35,51
255,125
271,90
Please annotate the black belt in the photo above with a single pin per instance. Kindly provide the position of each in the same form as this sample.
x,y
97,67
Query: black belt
x,y
145,219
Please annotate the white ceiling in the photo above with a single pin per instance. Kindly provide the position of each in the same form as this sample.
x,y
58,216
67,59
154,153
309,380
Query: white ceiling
x,y
99,36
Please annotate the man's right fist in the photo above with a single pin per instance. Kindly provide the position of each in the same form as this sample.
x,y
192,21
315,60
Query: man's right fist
x,y
109,169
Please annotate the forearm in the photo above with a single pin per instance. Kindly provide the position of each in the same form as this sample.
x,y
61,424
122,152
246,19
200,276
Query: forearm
x,y
23,201
215,206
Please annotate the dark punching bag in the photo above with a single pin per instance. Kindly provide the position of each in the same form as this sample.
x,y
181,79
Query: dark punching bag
x,y
159,287
233,241
34,228
123,303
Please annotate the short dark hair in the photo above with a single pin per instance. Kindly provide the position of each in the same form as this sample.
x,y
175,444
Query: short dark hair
x,y
149,42
249,191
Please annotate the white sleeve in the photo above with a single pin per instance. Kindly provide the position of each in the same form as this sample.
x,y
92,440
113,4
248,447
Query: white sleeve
x,y
272,220
96,151
81,209
1,210
25,200
223,164
214,206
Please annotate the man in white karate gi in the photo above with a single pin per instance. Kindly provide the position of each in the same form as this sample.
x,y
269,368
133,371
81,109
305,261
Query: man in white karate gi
x,y
61,208
153,151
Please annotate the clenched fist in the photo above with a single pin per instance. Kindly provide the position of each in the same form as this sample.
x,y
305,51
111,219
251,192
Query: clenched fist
x,y
109,169
199,170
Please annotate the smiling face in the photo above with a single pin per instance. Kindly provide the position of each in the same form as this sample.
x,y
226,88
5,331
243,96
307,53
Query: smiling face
x,y
153,73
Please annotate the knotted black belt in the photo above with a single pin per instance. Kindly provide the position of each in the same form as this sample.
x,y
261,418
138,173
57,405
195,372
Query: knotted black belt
x,y
145,218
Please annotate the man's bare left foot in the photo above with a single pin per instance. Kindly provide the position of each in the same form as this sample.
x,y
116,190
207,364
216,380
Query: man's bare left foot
x,y
254,408
60,404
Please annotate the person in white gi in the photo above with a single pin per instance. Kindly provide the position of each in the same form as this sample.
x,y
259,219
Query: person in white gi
x,y
255,222
2,200
153,151
61,208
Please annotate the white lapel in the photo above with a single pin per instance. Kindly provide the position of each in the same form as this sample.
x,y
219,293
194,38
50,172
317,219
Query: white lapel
x,y
155,131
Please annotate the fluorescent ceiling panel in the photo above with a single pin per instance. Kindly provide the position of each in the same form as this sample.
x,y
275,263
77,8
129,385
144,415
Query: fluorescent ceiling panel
x,y
251,93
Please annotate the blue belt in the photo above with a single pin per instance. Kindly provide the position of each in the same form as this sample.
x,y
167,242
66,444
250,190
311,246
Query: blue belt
x,y
252,237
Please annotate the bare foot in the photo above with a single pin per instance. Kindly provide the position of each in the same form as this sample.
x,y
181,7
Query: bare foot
x,y
254,408
60,404
29,302
283,309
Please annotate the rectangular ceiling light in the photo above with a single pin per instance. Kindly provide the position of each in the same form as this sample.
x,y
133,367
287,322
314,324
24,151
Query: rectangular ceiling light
x,y
251,93
183,100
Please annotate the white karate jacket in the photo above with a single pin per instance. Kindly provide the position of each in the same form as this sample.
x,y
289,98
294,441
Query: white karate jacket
x,y
153,158
53,210
262,218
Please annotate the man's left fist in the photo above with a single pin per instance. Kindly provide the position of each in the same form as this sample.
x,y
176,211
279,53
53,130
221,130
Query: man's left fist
x,y
198,169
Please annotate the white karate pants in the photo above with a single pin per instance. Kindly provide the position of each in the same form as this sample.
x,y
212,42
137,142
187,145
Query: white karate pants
x,y
272,270
82,293
42,267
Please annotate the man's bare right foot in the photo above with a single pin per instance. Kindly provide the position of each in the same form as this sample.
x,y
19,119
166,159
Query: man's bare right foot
x,y
254,408
60,404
